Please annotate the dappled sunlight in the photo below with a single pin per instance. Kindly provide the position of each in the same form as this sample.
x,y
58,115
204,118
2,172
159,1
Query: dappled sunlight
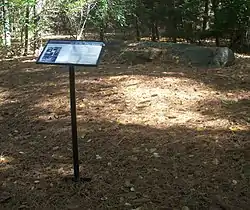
x,y
34,70
242,55
58,104
21,57
166,102
143,100
140,126
5,159
29,61
5,162
4,94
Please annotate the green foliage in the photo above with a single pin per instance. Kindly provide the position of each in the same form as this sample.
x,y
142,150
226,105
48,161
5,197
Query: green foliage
x,y
179,18
233,14
110,11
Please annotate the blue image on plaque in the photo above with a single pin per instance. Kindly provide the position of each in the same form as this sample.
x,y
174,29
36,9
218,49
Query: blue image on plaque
x,y
51,54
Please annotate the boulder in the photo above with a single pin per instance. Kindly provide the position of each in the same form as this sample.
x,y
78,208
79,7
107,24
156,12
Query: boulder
x,y
223,56
213,57
200,56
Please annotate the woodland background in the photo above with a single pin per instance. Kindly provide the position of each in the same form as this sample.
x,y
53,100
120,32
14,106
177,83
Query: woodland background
x,y
26,22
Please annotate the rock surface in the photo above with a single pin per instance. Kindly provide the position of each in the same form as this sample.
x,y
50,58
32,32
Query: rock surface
x,y
187,54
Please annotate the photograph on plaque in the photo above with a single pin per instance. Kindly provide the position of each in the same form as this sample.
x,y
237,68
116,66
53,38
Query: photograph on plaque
x,y
51,54
71,52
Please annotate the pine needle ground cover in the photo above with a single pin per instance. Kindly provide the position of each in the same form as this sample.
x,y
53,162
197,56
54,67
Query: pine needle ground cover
x,y
151,136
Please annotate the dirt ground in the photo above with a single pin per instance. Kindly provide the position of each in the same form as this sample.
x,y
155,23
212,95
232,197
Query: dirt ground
x,y
151,136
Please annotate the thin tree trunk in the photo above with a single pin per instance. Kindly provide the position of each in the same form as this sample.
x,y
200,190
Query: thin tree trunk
x,y
138,32
153,32
217,40
205,17
102,32
174,31
35,45
79,36
6,25
173,21
26,31
217,32
157,33
22,30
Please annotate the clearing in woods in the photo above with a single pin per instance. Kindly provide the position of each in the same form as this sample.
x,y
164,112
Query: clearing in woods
x,y
151,136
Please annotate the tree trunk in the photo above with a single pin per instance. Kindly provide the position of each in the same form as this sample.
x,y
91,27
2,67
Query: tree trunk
x,y
153,32
6,24
21,35
157,33
215,4
102,32
217,40
26,31
35,45
237,40
138,32
205,17
174,31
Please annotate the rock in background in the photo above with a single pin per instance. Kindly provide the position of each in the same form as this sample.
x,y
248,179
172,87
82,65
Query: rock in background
x,y
187,54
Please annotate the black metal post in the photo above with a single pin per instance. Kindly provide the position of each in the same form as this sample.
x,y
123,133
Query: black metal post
x,y
73,122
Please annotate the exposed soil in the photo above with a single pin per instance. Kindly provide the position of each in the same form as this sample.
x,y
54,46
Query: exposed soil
x,y
151,136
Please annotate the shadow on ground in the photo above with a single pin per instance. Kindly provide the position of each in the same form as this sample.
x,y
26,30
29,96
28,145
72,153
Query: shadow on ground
x,y
131,165
139,165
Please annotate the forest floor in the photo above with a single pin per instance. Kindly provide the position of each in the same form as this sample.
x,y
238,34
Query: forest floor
x,y
151,136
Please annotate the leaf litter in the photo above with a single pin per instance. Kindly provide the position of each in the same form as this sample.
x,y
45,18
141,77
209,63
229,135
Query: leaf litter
x,y
178,135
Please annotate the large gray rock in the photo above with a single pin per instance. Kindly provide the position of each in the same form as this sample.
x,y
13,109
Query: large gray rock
x,y
208,56
223,56
213,57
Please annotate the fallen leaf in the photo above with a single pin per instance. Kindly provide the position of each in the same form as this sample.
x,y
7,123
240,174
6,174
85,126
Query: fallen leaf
x,y
234,182
98,157
234,128
152,150
133,158
138,208
128,183
215,161
23,207
55,148
140,177
104,198
156,155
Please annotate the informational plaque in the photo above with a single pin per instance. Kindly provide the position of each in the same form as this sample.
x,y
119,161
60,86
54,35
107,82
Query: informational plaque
x,y
71,52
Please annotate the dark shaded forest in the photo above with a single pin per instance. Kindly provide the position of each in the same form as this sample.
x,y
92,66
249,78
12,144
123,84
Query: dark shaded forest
x,y
222,22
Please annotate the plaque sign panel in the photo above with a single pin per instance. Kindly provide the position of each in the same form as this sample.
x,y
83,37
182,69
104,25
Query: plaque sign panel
x,y
71,52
